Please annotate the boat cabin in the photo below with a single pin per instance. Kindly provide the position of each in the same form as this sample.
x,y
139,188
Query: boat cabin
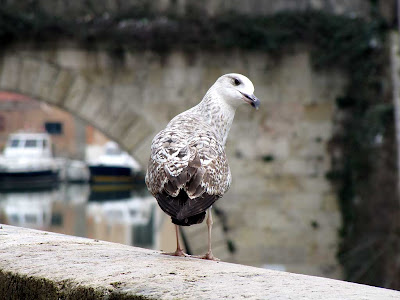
x,y
34,145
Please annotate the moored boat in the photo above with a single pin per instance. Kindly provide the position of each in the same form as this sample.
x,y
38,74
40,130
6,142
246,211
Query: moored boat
x,y
28,163
114,167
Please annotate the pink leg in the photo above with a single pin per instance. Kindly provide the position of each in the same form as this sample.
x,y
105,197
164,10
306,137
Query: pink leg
x,y
209,255
179,250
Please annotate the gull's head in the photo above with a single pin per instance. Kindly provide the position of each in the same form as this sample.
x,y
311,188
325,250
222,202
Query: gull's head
x,y
236,89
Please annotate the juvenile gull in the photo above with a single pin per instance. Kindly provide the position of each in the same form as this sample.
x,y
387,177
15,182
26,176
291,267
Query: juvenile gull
x,y
188,170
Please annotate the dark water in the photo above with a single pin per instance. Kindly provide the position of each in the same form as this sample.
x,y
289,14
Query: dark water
x,y
114,213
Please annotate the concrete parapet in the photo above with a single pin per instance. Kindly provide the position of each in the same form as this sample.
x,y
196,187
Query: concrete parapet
x,y
43,265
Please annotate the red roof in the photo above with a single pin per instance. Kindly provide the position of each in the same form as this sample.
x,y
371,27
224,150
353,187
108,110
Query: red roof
x,y
10,97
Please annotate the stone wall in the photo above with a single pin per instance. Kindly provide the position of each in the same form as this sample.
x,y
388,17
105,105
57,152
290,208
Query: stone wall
x,y
281,209
43,265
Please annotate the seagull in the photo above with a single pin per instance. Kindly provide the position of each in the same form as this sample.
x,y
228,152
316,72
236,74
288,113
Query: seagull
x,y
188,170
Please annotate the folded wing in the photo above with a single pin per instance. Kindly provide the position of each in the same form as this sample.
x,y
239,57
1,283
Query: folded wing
x,y
187,174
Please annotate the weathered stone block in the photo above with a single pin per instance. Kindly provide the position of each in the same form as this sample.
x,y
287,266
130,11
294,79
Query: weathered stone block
x,y
278,120
319,185
294,78
136,133
29,75
330,203
10,73
154,79
319,112
327,85
123,122
46,79
125,97
173,71
142,151
61,86
305,148
72,58
298,167
77,93
282,183
105,119
303,203
276,148
314,130
105,62
92,105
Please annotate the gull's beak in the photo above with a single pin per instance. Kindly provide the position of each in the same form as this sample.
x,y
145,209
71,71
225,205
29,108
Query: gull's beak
x,y
252,100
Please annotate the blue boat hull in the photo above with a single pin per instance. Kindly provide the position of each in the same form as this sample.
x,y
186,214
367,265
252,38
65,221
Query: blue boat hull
x,y
28,180
110,175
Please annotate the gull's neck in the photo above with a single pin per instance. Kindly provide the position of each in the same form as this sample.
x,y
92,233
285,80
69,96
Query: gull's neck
x,y
215,112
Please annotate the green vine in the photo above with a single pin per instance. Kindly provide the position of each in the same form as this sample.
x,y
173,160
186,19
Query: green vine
x,y
139,28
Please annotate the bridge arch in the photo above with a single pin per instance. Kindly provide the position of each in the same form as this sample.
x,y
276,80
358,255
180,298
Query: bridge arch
x,y
112,109
130,96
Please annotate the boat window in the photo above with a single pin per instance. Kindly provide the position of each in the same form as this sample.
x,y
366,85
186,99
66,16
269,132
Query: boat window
x,y
30,143
113,151
14,143
44,144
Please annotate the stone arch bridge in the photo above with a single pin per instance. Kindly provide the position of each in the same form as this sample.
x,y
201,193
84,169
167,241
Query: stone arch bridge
x,y
128,98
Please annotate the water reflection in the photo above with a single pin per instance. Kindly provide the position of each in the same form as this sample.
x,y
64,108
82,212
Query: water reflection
x,y
112,213
121,215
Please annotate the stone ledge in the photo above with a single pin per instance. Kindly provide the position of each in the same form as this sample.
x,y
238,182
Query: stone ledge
x,y
42,265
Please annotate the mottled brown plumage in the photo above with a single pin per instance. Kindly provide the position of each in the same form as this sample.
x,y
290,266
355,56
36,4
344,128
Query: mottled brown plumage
x,y
188,169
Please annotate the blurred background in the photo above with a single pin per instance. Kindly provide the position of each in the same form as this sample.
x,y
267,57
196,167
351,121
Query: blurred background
x,y
85,86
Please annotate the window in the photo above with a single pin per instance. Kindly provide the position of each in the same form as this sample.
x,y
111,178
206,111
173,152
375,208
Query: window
x,y
30,143
55,128
14,143
113,151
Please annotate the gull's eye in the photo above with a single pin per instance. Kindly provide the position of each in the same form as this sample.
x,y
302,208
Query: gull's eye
x,y
236,82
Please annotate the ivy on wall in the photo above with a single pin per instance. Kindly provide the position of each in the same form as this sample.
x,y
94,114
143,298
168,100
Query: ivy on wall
x,y
139,28
365,135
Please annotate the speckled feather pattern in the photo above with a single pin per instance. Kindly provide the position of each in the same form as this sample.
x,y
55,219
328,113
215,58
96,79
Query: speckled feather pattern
x,y
188,169
198,133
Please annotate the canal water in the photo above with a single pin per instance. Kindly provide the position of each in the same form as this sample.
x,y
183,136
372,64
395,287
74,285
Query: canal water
x,y
106,212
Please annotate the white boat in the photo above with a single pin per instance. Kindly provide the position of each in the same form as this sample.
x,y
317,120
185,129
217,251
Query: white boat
x,y
114,166
28,163
73,171
77,172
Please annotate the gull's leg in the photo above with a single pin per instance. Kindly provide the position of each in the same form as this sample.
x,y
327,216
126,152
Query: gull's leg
x,y
209,255
179,250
